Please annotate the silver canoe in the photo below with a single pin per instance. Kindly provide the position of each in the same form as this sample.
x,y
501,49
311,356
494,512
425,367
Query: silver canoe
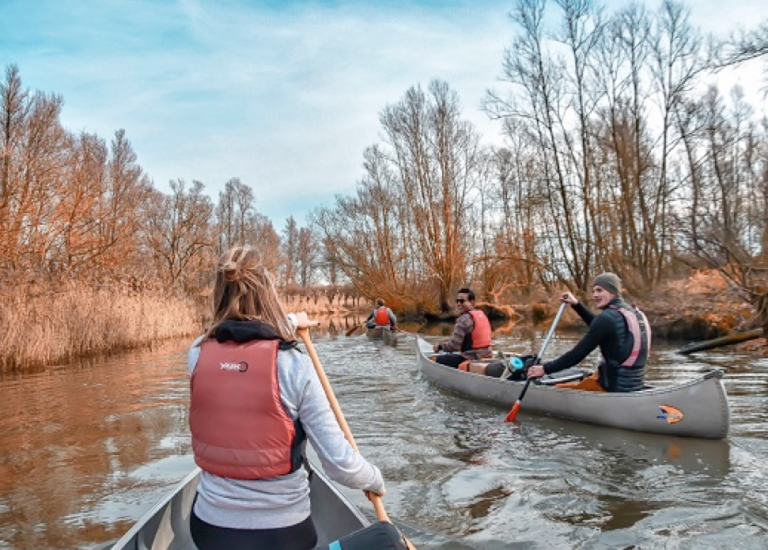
x,y
696,408
166,525
382,333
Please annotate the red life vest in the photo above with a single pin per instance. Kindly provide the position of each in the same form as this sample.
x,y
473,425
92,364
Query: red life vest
x,y
239,426
382,316
481,333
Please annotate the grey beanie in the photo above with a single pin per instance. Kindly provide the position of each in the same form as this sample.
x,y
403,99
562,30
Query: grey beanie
x,y
610,282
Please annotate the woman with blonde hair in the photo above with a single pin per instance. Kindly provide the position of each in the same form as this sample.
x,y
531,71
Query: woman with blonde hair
x,y
255,401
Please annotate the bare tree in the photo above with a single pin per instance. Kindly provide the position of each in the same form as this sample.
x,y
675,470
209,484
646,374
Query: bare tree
x,y
179,234
742,46
438,163
75,241
291,245
32,169
541,101
118,212
233,212
405,235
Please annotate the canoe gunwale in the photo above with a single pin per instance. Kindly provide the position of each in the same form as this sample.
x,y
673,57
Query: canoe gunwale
x,y
135,531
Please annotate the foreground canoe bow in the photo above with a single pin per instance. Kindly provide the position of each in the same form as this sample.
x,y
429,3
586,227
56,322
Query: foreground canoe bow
x,y
166,525
696,408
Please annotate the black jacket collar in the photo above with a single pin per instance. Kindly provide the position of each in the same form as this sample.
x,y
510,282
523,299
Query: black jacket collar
x,y
241,332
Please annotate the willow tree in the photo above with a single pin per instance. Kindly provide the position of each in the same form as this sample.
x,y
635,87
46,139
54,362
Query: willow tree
x,y
597,97
438,164
366,238
552,100
33,151
239,223
178,234
724,202
407,233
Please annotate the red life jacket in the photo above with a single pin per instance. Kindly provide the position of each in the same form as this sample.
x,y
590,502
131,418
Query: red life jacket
x,y
239,426
382,316
481,333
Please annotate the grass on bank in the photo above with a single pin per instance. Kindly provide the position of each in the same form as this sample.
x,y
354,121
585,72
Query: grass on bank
x,y
40,326
47,325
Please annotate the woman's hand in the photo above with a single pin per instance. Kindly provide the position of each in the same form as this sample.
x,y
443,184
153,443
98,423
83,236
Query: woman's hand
x,y
302,320
369,493
569,298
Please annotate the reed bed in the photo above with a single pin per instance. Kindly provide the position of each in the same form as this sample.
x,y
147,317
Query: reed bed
x,y
41,327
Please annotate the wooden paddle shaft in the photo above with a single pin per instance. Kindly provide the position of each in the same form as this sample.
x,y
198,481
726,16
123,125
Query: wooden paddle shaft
x,y
353,329
375,499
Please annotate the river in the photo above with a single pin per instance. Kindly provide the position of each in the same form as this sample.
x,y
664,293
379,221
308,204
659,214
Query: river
x,y
86,449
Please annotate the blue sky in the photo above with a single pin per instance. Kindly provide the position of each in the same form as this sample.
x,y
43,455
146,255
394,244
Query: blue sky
x,y
284,95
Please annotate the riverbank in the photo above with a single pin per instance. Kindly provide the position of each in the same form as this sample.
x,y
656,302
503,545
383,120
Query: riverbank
x,y
48,326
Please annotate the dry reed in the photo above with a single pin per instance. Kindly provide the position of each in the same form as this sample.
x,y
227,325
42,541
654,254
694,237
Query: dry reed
x,y
45,326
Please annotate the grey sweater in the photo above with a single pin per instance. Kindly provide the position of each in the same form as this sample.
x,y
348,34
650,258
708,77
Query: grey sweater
x,y
284,501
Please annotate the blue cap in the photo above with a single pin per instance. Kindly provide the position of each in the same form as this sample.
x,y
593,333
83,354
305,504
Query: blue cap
x,y
516,363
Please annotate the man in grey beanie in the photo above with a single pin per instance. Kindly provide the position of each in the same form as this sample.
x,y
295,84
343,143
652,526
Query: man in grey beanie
x,y
610,282
620,330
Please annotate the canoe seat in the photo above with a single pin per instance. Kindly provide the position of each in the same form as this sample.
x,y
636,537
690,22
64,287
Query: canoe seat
x,y
567,375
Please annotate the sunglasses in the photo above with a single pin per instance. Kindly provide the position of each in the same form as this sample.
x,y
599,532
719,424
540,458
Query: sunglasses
x,y
460,300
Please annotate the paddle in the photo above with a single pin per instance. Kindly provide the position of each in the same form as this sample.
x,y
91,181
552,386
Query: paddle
x,y
353,329
516,407
378,505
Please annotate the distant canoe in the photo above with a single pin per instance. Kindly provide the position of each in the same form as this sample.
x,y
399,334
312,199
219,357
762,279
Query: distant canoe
x,y
166,525
696,408
382,333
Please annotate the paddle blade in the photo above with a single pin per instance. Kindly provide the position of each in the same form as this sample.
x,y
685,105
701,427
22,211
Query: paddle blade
x,y
513,412
353,329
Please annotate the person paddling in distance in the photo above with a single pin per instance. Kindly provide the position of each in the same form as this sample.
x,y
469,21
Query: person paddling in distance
x,y
471,334
382,316
255,401
620,330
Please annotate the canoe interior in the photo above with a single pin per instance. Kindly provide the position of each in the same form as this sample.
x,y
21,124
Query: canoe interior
x,y
166,525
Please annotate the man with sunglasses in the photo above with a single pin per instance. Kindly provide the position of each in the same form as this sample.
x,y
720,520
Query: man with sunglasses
x,y
471,334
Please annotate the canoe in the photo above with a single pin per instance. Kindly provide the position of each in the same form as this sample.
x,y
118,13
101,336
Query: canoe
x,y
166,525
695,408
382,333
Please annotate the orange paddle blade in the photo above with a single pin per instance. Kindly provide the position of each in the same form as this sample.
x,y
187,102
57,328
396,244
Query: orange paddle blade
x,y
513,412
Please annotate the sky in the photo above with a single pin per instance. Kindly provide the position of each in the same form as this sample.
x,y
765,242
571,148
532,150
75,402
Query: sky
x,y
284,95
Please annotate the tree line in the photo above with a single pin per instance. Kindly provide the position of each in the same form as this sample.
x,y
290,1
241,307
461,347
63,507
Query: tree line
x,y
617,155
73,206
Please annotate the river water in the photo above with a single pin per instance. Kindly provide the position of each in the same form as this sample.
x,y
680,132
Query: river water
x,y
86,449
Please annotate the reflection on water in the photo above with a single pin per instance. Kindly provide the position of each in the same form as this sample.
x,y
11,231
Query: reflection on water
x,y
73,439
86,450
